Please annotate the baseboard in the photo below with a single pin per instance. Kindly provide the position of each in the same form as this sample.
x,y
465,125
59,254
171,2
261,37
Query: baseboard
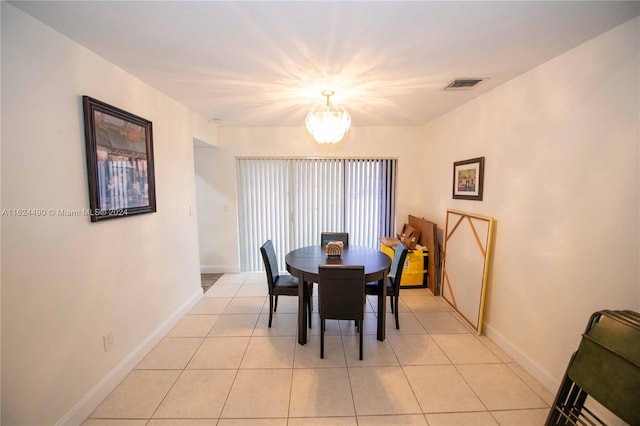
x,y
541,375
86,405
219,269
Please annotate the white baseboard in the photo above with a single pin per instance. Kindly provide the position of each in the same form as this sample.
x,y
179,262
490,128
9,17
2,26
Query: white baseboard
x,y
219,269
550,382
91,400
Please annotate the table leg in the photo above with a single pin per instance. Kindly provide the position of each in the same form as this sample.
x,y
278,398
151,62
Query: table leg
x,y
302,313
382,309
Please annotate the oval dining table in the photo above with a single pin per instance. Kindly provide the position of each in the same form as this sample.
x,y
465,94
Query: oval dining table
x,y
303,264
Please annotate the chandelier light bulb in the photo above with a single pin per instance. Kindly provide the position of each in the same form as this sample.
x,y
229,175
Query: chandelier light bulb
x,y
328,124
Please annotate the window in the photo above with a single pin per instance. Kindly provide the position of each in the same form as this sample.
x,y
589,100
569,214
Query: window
x,y
291,201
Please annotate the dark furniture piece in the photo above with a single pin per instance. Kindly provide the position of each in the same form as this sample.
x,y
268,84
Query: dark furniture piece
x,y
341,297
303,263
606,367
327,237
392,281
283,285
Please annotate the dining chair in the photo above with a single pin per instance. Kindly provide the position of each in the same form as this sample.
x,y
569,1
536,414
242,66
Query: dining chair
x,y
282,285
341,296
393,280
327,237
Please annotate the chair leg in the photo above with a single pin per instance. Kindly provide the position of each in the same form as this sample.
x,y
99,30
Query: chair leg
x,y
391,303
397,320
360,324
310,308
322,337
275,308
271,309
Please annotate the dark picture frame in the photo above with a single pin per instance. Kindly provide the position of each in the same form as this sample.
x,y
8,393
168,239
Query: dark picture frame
x,y
468,179
120,165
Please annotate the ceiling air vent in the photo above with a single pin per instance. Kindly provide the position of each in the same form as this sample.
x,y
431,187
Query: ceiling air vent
x,y
463,83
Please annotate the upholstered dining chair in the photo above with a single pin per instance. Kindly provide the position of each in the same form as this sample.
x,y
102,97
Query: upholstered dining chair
x,y
327,237
393,280
341,296
282,285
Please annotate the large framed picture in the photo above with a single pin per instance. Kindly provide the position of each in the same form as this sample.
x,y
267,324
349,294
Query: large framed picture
x,y
468,176
119,161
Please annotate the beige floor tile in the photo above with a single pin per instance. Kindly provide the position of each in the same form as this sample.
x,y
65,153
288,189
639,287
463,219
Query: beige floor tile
x,y
404,420
234,325
269,352
323,421
535,417
321,392
252,422
441,323
333,327
227,290
373,302
137,396
182,422
375,353
371,391
464,349
499,388
348,328
441,389
193,326
481,418
536,386
219,352
502,356
281,325
245,305
286,305
253,290
424,303
197,394
418,349
308,356
267,391
172,353
114,422
231,278
256,278
210,305
420,291
409,324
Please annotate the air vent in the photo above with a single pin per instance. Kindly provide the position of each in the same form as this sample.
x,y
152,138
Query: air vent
x,y
463,83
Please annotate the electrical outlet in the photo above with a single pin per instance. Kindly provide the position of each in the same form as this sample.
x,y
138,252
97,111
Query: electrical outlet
x,y
107,339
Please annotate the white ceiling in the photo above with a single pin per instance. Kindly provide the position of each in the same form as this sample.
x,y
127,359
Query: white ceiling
x,y
266,63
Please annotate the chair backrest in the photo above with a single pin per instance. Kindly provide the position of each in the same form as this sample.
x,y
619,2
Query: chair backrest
x,y
341,292
398,264
327,237
270,263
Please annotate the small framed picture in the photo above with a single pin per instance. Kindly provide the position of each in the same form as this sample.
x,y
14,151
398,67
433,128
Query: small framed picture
x,y
119,162
468,176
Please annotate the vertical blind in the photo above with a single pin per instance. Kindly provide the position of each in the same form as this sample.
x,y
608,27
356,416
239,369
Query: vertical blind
x,y
291,201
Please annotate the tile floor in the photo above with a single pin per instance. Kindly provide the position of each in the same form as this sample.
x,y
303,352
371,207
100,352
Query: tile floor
x,y
222,365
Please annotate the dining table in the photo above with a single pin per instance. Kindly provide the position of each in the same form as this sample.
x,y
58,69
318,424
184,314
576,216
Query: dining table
x,y
303,264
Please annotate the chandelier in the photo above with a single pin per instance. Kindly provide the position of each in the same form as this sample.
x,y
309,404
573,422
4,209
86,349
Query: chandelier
x,y
328,124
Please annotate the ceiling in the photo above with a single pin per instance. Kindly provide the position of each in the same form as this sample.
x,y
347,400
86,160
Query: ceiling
x,y
266,63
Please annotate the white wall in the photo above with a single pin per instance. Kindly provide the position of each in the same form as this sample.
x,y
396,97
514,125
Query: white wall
x,y
561,178
65,281
215,169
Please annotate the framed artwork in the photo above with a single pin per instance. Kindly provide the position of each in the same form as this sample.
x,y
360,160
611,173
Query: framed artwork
x,y
468,176
119,161
468,244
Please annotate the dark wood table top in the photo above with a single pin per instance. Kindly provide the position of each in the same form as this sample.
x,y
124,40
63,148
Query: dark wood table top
x,y
305,261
